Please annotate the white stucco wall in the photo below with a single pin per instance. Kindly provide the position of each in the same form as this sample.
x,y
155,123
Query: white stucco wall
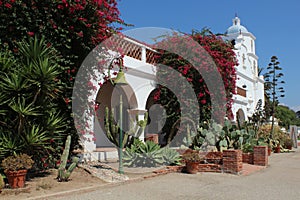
x,y
247,70
141,77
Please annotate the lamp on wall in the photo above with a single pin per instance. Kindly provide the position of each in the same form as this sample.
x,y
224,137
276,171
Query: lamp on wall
x,y
120,79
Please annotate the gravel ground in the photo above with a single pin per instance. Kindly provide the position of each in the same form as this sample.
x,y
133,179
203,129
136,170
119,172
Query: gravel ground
x,y
281,180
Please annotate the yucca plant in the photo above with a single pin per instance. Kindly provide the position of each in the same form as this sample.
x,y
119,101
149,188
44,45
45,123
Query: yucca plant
x,y
30,95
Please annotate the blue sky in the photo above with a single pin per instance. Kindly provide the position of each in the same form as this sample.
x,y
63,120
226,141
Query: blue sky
x,y
274,23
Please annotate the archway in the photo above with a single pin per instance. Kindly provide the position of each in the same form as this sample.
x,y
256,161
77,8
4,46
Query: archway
x,y
240,116
109,96
156,118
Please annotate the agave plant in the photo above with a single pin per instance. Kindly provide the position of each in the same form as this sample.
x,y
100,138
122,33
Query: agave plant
x,y
150,154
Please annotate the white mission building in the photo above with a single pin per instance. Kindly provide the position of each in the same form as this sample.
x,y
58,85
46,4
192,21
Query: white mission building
x,y
141,78
250,86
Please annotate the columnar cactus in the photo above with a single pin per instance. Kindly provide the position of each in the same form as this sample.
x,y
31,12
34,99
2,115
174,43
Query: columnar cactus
x,y
63,173
113,130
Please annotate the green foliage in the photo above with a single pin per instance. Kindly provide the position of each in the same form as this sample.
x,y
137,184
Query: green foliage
x,y
149,154
213,135
287,143
113,129
286,117
72,28
17,162
192,156
187,52
29,94
273,88
258,118
171,156
189,138
64,173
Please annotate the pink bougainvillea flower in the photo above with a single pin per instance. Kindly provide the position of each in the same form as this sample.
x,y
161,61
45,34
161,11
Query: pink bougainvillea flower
x,y
60,7
189,79
8,5
67,101
82,19
80,34
31,34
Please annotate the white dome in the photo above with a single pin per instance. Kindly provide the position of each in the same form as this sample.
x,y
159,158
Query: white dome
x,y
236,27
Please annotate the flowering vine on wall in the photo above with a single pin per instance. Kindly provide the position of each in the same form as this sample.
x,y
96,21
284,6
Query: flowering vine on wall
x,y
224,58
72,27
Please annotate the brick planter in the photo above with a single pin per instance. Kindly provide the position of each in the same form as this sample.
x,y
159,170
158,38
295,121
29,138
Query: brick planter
x,y
247,158
232,161
210,168
214,157
260,155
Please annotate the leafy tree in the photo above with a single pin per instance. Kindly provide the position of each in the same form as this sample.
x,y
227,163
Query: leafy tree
x,y
286,116
72,27
273,87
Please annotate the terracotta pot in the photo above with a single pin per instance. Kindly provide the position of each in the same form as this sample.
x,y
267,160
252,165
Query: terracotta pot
x,y
152,137
16,179
277,149
269,151
192,167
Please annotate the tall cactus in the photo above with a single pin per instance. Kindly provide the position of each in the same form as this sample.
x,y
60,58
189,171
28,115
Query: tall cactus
x,y
113,130
63,173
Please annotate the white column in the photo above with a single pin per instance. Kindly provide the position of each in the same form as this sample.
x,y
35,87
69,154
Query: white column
x,y
144,56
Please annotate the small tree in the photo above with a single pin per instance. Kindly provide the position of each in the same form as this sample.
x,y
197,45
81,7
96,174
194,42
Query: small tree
x,y
273,87
286,116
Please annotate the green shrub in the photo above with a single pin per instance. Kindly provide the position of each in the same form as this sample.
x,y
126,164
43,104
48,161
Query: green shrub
x,y
73,28
17,162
